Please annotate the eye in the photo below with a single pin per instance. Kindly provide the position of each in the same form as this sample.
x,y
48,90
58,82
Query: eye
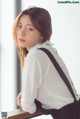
x,y
30,29
19,26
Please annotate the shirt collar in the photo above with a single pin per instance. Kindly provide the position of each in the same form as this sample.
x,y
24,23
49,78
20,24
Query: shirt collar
x,y
48,43
41,45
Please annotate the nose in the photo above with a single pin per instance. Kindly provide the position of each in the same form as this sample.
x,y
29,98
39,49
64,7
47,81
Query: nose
x,y
23,32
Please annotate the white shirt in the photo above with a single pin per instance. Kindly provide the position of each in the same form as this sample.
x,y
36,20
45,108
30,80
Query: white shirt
x,y
41,81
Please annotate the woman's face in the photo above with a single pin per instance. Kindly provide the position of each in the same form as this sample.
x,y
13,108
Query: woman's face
x,y
27,35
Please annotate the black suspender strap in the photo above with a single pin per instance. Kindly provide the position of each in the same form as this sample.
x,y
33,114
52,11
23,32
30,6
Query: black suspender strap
x,y
60,71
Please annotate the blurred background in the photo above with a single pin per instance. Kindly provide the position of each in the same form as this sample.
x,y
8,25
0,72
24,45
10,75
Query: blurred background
x,y
66,38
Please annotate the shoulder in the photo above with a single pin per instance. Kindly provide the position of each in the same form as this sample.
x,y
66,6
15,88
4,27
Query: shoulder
x,y
36,54
36,58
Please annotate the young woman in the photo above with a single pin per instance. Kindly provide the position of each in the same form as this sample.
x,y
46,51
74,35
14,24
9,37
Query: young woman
x,y
40,80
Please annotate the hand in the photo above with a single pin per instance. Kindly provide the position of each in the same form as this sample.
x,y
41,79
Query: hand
x,y
19,100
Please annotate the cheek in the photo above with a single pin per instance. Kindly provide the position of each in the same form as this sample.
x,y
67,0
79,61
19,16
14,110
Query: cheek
x,y
17,35
32,40
36,37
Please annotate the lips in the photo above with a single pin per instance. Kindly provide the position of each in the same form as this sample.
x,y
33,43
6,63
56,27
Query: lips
x,y
22,40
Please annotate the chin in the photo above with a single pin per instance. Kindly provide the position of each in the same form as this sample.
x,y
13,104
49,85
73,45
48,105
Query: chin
x,y
22,45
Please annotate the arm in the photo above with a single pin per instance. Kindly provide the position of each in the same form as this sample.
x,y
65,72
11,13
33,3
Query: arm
x,y
31,82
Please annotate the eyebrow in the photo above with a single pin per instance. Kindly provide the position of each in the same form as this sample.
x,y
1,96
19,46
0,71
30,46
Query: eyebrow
x,y
26,24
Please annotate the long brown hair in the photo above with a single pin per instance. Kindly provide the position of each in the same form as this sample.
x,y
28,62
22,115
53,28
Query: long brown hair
x,y
41,20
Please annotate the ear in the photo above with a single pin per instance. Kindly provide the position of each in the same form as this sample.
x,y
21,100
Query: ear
x,y
41,37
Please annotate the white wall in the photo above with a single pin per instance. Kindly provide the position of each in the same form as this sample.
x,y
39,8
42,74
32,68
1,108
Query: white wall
x,y
7,78
66,32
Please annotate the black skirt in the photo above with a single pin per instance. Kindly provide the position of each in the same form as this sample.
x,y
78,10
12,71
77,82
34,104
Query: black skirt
x,y
70,111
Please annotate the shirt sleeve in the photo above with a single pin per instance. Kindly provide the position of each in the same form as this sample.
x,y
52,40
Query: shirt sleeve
x,y
31,81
